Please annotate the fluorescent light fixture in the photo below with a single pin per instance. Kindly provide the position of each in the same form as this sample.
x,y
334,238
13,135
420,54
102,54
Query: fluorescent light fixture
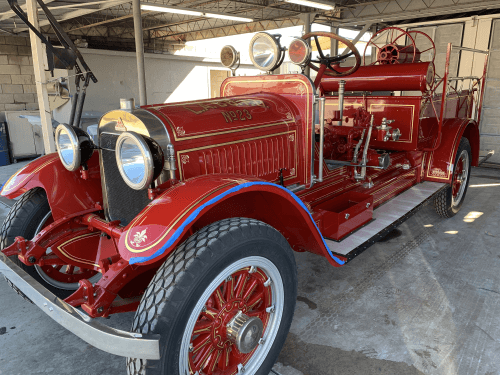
x,y
190,12
312,4
228,17
157,8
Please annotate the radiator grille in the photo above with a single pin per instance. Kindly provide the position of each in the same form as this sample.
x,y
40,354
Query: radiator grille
x,y
121,202
262,158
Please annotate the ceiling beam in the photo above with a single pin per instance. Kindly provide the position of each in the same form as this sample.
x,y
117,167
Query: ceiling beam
x,y
11,14
237,12
433,9
109,21
216,32
78,13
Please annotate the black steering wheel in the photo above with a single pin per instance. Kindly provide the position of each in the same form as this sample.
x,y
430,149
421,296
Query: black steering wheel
x,y
327,64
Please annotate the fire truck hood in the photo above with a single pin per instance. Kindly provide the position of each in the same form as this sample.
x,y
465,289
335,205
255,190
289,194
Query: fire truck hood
x,y
167,123
198,119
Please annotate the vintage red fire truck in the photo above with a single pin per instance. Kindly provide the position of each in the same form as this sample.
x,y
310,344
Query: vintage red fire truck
x,y
189,213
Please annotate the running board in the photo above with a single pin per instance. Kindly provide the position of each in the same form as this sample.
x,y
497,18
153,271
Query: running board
x,y
386,217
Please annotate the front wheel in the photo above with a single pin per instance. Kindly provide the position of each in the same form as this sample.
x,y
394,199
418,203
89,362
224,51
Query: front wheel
x,y
448,202
28,216
223,302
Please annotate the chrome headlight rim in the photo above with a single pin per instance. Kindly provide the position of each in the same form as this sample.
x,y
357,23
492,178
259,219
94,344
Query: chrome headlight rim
x,y
276,49
147,157
234,56
75,143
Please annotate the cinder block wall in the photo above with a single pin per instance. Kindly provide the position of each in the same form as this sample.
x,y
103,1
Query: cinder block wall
x,y
17,80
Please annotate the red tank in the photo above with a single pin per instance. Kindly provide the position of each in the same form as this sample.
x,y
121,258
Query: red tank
x,y
390,77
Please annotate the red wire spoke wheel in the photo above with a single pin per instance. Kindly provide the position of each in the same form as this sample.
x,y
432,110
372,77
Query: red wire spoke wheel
x,y
448,201
392,52
27,217
417,36
67,276
232,322
222,303
236,321
460,176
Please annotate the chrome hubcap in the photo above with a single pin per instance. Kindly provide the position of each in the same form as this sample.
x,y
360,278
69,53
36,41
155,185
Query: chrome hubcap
x,y
460,176
245,332
236,320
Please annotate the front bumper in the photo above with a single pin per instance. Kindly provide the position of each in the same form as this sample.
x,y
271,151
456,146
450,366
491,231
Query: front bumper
x,y
122,343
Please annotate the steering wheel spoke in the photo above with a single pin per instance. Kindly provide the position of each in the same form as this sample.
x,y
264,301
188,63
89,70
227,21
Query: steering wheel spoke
x,y
325,63
336,71
318,45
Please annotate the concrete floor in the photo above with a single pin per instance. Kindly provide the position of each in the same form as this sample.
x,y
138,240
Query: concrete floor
x,y
426,301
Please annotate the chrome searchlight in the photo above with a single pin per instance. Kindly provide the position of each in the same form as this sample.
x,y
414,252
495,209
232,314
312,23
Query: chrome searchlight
x,y
139,159
74,146
266,52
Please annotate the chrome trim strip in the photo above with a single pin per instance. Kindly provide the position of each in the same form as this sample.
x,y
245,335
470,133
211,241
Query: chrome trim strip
x,y
111,340
321,138
313,139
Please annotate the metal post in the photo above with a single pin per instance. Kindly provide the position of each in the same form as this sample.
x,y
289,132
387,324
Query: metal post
x,y
307,30
321,138
341,100
139,51
334,43
40,79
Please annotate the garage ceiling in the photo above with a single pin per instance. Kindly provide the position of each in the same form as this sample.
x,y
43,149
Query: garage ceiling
x,y
109,24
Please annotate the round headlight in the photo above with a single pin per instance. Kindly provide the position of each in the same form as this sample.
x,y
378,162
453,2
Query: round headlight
x,y
136,163
228,56
299,51
74,146
265,51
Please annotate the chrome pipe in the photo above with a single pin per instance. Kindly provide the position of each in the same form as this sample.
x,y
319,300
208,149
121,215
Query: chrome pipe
x,y
365,151
313,140
321,137
341,100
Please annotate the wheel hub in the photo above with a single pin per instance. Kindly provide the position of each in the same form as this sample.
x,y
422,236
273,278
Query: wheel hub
x,y
460,176
245,332
232,323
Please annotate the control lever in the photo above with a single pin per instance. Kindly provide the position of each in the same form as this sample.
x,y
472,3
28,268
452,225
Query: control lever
x,y
361,176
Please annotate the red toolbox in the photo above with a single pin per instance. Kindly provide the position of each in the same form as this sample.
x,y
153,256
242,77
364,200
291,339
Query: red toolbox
x,y
344,214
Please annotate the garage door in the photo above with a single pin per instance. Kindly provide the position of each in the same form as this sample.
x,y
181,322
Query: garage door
x,y
490,121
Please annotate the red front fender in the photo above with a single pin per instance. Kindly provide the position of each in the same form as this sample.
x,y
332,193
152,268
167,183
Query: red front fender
x,y
66,191
200,201
439,163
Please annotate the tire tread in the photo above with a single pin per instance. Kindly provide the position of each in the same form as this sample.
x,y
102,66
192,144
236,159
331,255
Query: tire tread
x,y
174,275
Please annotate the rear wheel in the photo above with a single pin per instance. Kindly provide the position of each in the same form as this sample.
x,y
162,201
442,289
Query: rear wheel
x,y
448,202
28,216
223,302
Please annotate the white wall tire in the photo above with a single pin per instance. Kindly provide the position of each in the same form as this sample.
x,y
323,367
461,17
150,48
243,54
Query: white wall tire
x,y
185,285
449,201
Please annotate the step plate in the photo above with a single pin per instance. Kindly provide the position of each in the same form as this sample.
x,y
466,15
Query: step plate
x,y
386,217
